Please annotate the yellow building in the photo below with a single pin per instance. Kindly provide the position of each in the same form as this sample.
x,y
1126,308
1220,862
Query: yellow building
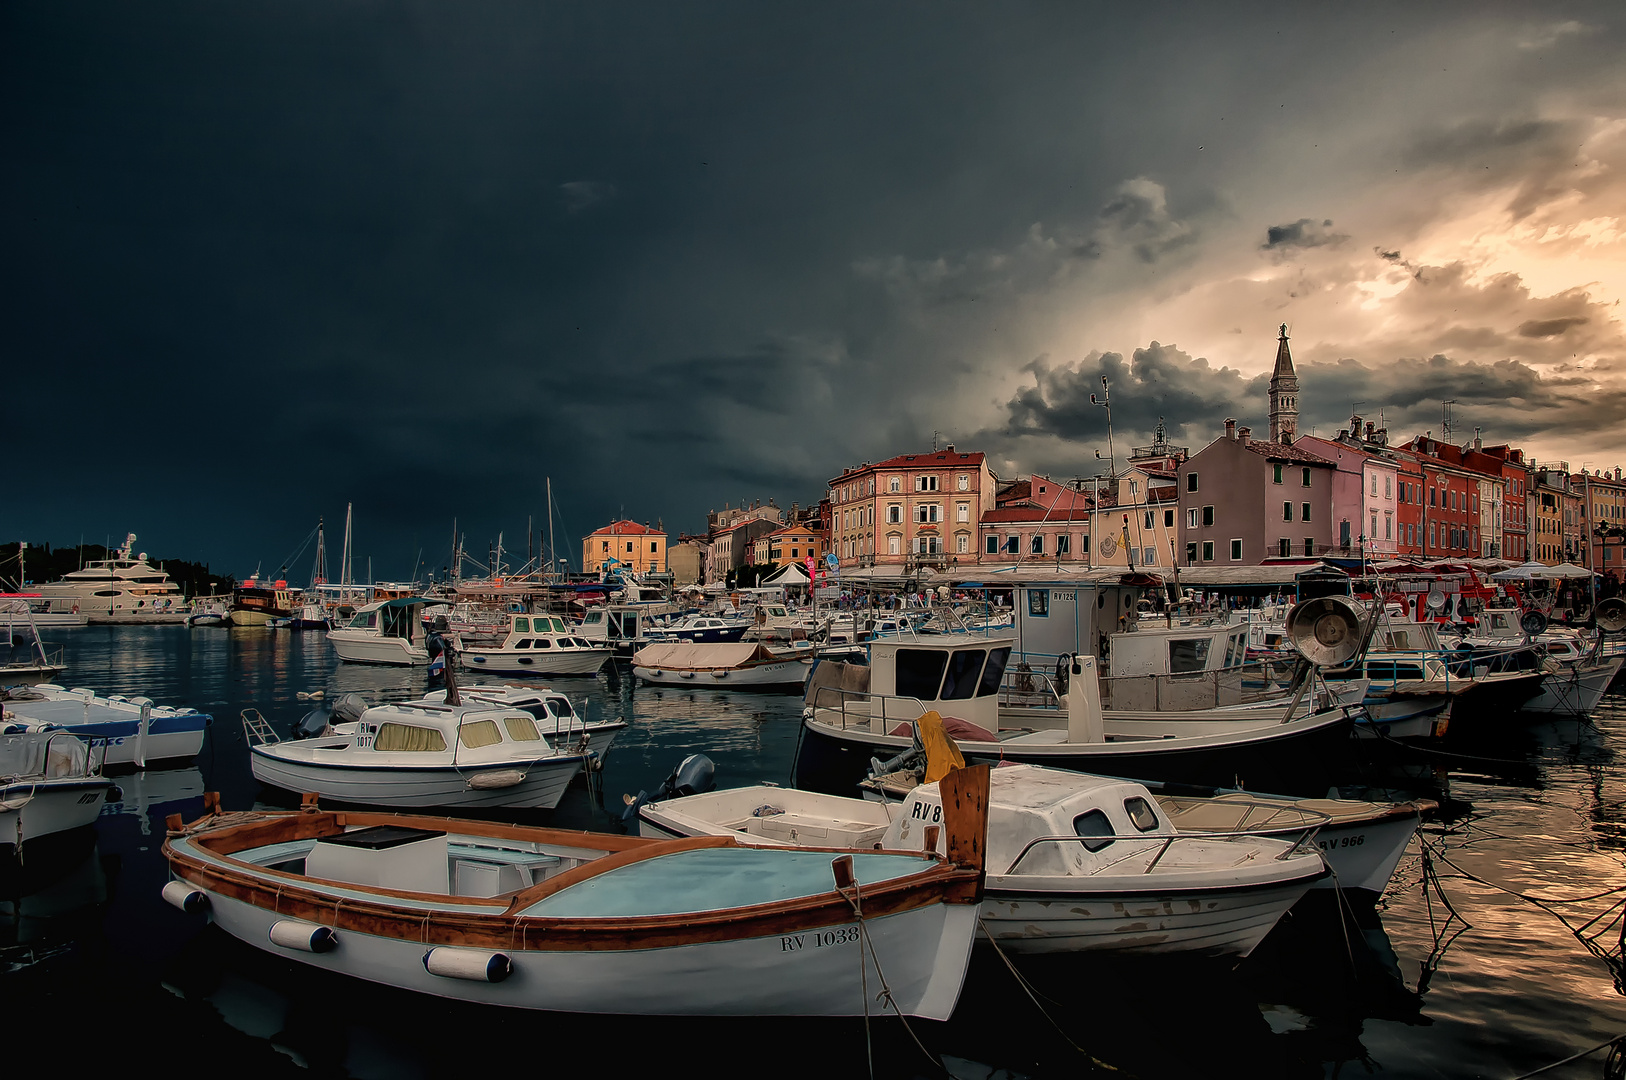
x,y
627,544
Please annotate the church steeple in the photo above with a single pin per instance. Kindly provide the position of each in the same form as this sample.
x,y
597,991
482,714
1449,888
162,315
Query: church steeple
x,y
1284,395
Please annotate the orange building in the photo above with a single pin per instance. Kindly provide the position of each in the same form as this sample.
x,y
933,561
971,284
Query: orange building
x,y
631,545
792,544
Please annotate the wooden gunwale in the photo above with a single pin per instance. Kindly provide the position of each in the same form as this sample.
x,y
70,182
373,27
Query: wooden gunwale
x,y
289,895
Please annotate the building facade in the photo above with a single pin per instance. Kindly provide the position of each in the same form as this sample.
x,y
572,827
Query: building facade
x,y
628,544
1244,502
911,510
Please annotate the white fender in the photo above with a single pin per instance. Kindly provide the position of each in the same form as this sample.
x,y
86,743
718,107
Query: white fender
x,y
187,898
303,936
476,965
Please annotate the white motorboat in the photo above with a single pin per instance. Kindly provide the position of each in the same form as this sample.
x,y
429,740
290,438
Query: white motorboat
x,y
588,922
384,632
420,755
556,718
49,783
1076,863
124,731
124,588
39,611
740,666
538,645
210,611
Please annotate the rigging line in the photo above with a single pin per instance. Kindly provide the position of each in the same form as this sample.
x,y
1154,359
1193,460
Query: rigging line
x,y
1033,996
1574,1057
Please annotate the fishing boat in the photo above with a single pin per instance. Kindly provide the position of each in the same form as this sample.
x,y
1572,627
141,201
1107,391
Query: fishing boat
x,y
49,783
538,645
384,632
739,666
209,611
261,603
555,717
418,755
589,922
1076,863
127,731
855,714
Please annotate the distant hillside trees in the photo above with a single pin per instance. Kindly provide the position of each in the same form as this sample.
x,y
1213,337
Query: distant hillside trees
x,y
45,564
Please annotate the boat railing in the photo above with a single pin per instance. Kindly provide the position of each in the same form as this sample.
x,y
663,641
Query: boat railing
x,y
1305,833
1030,686
860,708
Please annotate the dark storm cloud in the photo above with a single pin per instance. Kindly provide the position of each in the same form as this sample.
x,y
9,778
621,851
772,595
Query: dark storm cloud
x,y
1303,233
1158,382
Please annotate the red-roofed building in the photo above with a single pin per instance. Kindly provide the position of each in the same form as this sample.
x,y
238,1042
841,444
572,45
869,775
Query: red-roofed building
x,y
911,510
1243,502
636,547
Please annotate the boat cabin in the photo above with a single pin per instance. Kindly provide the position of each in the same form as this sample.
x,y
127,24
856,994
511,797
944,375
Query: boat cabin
x,y
398,618
1118,825
958,675
620,626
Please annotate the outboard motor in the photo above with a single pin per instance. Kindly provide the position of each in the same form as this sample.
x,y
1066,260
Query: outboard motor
x,y
693,775
313,723
348,709
436,646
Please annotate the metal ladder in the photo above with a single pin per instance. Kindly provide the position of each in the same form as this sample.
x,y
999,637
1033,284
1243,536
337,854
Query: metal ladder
x,y
257,729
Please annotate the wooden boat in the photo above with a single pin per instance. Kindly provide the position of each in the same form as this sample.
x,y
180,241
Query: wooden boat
x,y
1076,863
593,923
739,666
49,783
537,645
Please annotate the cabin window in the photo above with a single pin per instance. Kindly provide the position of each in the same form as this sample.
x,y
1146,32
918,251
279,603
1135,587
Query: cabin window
x,y
478,733
544,643
1141,814
1039,603
993,672
963,669
559,706
919,673
524,625
521,728
407,737
580,643
1096,828
1187,655
523,643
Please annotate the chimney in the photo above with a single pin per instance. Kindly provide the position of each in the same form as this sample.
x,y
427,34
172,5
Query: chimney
x,y
1355,426
1479,444
951,448
1617,472
1371,429
1230,427
1245,434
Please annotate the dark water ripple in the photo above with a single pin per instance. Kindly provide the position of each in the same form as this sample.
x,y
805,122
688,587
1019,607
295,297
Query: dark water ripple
x,y
1402,989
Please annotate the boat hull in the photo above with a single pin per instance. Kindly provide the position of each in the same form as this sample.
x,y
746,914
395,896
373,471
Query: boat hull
x,y
1576,690
772,975
1293,758
545,662
1362,855
783,675
409,788
1219,922
373,649
33,811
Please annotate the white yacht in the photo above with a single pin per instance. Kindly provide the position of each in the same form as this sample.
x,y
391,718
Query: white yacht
x,y
125,588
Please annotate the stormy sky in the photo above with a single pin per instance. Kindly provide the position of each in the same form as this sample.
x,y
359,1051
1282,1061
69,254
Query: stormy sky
x,y
263,260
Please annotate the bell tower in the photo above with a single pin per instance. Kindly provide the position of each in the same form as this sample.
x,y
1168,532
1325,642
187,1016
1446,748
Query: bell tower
x,y
1284,395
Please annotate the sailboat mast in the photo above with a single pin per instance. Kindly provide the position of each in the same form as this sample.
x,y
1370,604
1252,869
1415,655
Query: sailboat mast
x,y
345,576
319,571
550,526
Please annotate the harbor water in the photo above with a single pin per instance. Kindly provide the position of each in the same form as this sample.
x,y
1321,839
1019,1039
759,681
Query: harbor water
x,y
1495,952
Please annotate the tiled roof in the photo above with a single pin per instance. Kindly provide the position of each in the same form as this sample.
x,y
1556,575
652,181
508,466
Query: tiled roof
x,y
947,459
1271,451
626,528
